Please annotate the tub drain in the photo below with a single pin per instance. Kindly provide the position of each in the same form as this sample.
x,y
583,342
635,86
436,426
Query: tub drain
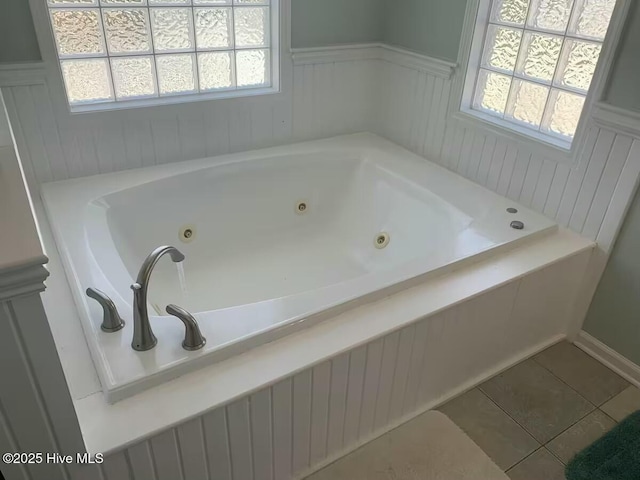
x,y
381,240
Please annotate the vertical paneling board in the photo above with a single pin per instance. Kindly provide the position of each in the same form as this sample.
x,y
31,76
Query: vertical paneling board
x,y
190,437
239,430
216,439
283,434
301,421
141,462
385,380
8,444
337,403
262,434
321,388
116,467
357,365
26,423
370,387
166,456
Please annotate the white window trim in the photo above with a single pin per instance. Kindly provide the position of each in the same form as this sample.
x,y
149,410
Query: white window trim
x,y
280,38
471,44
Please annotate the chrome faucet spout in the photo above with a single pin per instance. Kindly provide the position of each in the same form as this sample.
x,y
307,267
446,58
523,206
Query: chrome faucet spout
x,y
143,337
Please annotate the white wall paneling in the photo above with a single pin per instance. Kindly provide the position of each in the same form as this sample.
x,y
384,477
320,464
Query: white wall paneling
x,y
292,428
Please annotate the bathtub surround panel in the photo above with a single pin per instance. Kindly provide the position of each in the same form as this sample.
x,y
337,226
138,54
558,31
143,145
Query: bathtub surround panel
x,y
320,414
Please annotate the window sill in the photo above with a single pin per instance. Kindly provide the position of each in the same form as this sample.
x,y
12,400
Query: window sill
x,y
556,149
174,100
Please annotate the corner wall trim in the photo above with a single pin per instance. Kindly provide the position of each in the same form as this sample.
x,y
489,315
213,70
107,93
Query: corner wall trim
x,y
609,357
616,118
23,279
373,51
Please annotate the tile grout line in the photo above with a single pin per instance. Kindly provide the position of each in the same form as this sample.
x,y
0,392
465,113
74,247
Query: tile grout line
x,y
592,403
565,383
559,379
596,407
540,445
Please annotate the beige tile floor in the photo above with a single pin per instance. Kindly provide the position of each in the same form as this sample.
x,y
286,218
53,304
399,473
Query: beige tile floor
x,y
533,418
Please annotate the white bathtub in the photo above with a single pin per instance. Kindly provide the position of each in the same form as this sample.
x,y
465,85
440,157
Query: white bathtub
x,y
256,267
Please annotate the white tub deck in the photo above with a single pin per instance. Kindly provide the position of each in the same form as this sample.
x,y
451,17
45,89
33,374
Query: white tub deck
x,y
256,269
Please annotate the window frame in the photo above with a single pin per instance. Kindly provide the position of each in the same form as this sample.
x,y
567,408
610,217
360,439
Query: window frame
x,y
276,33
475,29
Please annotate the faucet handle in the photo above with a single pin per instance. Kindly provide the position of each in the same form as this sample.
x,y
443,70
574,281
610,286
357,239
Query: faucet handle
x,y
111,320
193,339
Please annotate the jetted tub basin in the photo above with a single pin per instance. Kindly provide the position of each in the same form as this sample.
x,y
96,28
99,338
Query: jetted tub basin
x,y
274,240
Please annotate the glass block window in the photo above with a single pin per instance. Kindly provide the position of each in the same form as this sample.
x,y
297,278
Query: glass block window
x,y
125,50
538,60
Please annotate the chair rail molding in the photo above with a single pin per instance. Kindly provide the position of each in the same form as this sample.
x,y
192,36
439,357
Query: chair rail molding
x,y
374,51
16,74
615,118
23,279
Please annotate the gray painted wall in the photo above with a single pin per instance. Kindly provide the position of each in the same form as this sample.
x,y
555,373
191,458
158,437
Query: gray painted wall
x,y
316,23
614,316
18,41
432,27
5,132
624,85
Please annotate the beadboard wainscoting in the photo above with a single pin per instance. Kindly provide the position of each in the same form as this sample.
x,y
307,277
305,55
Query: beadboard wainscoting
x,y
308,420
322,101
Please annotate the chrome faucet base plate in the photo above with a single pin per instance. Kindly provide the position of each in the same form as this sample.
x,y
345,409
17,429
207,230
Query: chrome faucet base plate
x,y
194,348
114,329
